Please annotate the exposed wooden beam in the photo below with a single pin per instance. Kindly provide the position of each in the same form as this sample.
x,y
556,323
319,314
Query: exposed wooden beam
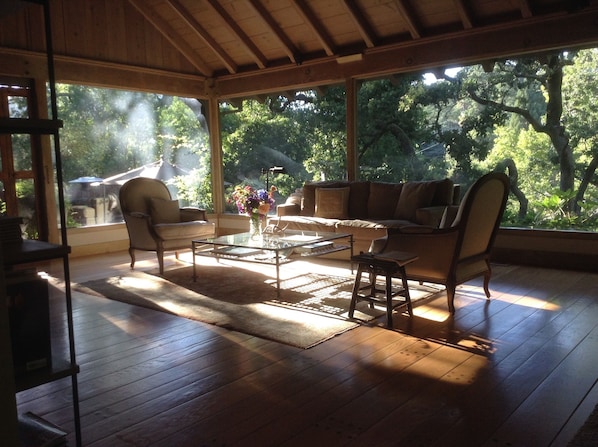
x,y
409,16
243,38
365,30
171,35
351,90
102,74
287,45
540,33
464,14
526,9
312,21
200,32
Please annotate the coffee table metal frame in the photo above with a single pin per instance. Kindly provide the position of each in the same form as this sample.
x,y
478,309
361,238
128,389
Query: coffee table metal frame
x,y
274,249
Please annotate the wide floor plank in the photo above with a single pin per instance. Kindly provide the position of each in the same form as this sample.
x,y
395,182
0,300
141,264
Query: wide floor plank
x,y
515,370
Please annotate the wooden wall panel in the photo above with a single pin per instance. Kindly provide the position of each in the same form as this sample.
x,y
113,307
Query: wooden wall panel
x,y
116,24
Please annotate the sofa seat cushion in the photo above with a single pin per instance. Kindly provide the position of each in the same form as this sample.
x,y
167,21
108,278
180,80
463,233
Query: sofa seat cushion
x,y
361,229
184,230
305,223
393,223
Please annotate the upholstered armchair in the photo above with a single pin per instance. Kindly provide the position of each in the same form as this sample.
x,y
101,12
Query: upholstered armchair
x,y
156,223
460,250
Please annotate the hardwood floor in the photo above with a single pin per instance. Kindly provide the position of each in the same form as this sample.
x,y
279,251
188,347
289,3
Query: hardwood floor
x,y
518,370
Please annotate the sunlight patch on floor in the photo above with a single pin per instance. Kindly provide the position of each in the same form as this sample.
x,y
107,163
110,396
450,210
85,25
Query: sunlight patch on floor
x,y
528,301
129,282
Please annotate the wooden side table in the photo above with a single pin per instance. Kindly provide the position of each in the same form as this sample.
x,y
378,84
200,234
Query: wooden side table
x,y
390,264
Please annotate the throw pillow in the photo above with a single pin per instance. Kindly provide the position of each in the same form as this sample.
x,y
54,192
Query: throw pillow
x,y
332,203
164,211
413,196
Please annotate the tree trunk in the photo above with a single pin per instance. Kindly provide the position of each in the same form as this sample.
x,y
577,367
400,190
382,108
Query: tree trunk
x,y
556,131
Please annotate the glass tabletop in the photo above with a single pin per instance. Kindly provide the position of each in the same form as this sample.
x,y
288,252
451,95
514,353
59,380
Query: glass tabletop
x,y
288,239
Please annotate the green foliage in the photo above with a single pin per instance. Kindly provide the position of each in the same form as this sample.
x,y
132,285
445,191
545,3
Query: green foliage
x,y
109,131
407,129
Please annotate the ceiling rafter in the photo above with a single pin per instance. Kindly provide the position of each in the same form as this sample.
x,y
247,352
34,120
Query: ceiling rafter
x,y
172,36
287,45
242,37
312,21
526,9
464,14
409,16
201,32
367,33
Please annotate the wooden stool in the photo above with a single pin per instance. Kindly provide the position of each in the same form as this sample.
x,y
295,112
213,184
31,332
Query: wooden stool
x,y
387,264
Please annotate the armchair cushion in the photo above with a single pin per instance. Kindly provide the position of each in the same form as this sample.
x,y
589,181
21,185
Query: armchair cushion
x,y
191,213
183,230
164,211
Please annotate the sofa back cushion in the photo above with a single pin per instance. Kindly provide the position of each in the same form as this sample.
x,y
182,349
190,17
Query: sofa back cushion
x,y
358,199
383,199
413,196
443,195
332,203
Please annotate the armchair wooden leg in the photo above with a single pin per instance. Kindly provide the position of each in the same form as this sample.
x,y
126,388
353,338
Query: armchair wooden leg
x,y
487,276
132,255
160,254
450,296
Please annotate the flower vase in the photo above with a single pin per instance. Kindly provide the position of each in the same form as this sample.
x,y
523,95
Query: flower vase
x,y
255,226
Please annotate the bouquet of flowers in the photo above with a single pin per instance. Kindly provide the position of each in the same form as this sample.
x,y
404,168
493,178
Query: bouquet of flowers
x,y
251,201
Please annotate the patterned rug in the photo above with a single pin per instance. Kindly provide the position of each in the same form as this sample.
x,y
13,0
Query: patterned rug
x,y
312,307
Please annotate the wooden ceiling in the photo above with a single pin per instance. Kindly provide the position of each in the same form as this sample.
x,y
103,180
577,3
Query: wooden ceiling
x,y
234,48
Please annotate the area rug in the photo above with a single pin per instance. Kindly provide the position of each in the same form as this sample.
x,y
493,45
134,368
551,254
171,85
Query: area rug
x,y
312,308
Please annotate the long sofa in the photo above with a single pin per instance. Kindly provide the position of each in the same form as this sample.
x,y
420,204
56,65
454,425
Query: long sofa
x,y
366,209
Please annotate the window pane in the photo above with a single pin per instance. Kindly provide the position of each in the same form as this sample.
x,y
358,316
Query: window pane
x,y
304,134
17,107
21,152
27,208
110,136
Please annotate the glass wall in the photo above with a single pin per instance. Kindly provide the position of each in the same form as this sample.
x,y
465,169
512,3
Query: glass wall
x,y
110,136
303,134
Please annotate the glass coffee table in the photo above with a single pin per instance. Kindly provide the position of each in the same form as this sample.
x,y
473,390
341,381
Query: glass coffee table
x,y
276,249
